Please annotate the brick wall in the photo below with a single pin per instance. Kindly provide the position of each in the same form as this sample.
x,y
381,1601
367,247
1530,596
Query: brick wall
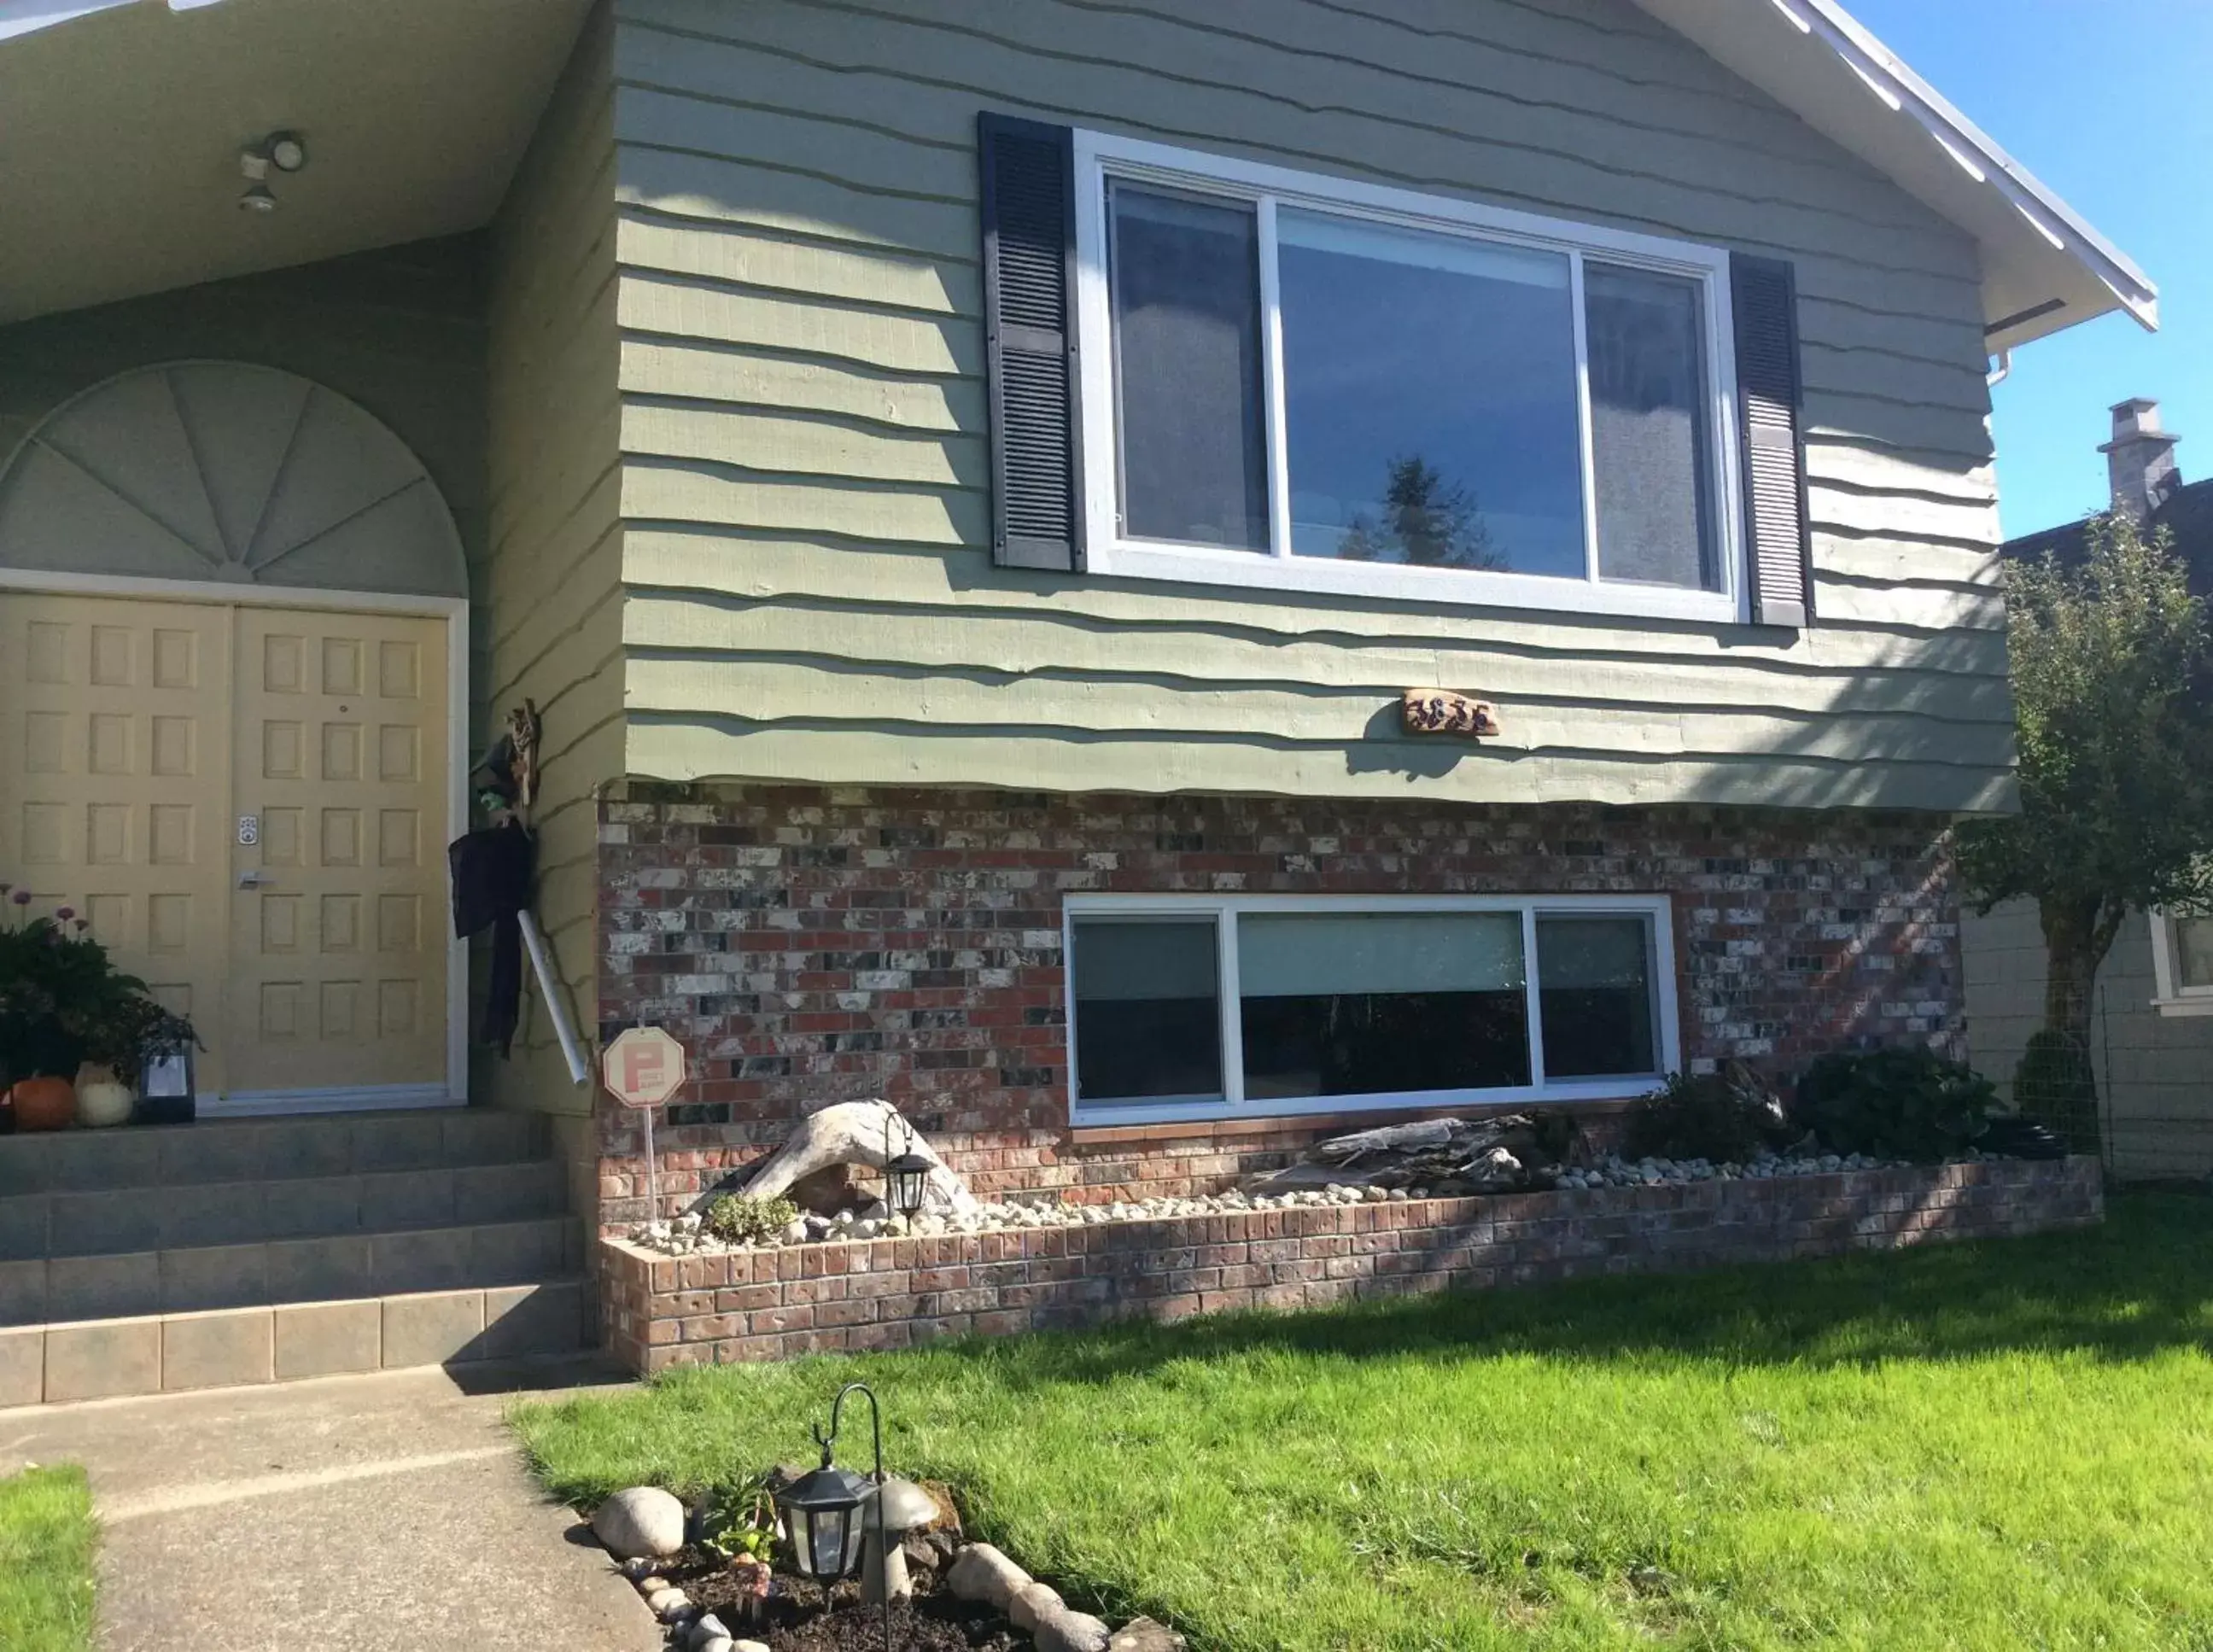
x,y
812,945
892,1293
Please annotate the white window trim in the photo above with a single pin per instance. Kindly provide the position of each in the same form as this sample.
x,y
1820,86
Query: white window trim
x,y
2170,997
1233,1105
1100,156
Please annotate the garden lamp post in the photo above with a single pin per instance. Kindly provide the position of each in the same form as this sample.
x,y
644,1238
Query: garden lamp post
x,y
906,1177
822,1510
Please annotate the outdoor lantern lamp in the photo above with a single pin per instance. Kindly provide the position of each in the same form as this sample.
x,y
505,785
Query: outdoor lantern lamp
x,y
907,1177
822,1510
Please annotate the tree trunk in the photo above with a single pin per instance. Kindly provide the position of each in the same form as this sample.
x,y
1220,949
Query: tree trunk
x,y
2057,1081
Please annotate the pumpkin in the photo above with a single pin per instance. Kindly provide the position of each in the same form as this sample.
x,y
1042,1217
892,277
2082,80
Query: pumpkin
x,y
43,1103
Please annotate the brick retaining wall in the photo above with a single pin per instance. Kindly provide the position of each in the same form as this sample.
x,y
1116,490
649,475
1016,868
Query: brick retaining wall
x,y
892,1293
817,944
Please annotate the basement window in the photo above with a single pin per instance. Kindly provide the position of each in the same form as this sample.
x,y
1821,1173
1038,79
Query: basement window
x,y
1195,1007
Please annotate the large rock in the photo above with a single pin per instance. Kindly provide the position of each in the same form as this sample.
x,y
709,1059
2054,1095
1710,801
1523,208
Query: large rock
x,y
1144,1635
1063,1630
1032,1605
641,1521
980,1572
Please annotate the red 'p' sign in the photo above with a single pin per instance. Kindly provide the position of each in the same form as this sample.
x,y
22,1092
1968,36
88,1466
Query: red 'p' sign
x,y
643,1067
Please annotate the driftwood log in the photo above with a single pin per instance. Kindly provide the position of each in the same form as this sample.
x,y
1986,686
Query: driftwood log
x,y
852,1132
1511,1153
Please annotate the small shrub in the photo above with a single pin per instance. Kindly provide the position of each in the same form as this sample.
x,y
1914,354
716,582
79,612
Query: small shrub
x,y
1726,1117
1895,1104
738,1220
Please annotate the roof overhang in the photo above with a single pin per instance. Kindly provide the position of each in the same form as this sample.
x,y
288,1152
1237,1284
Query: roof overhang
x,y
2044,267
121,124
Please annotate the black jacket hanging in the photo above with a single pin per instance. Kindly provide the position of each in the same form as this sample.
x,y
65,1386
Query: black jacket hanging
x,y
491,874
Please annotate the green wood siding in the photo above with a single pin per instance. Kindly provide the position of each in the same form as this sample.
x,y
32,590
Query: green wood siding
x,y
804,479
554,576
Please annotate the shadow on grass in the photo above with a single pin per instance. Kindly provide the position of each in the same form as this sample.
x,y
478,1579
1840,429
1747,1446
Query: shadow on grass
x,y
2137,1286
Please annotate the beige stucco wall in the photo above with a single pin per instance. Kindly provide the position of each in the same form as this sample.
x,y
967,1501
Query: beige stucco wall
x,y
804,439
2154,1072
552,571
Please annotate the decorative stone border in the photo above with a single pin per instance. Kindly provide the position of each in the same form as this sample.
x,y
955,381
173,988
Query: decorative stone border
x,y
890,1293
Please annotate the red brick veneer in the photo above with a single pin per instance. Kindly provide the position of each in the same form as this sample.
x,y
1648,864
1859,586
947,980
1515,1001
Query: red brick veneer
x,y
813,944
890,1293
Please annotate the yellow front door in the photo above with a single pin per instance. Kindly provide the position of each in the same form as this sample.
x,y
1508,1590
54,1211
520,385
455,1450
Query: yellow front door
x,y
115,782
248,803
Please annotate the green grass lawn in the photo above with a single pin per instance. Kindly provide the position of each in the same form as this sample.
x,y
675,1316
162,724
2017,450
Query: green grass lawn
x,y
2002,1446
47,1539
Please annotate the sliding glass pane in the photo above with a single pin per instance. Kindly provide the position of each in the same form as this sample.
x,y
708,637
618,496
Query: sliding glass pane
x,y
1594,991
1364,1003
2193,952
1649,427
1147,1009
1429,389
1193,440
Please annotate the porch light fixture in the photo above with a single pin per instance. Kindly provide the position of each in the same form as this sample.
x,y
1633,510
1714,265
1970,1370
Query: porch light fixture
x,y
906,1178
821,1511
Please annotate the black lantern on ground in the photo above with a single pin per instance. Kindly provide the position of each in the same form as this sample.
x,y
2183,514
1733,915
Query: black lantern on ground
x,y
821,1511
906,1177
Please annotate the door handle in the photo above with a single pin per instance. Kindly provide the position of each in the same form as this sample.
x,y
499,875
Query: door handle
x,y
253,880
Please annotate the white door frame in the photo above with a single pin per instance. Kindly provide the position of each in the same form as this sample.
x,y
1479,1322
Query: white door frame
x,y
455,612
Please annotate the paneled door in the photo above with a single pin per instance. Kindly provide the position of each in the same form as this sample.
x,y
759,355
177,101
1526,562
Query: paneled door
x,y
248,804
114,782
338,935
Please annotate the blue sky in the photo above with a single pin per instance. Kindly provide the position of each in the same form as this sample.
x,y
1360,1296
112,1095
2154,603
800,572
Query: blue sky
x,y
2110,104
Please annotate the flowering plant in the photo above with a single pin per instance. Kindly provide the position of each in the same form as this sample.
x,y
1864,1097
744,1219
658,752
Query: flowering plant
x,y
62,1001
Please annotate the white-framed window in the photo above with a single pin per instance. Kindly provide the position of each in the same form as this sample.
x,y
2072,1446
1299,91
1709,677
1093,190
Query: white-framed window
x,y
1201,1007
1297,382
2182,963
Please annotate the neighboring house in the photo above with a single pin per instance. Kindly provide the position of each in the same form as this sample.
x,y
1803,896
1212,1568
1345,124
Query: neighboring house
x,y
970,574
2151,1029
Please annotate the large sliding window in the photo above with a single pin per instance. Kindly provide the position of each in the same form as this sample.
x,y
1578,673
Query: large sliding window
x,y
1293,380
1197,1007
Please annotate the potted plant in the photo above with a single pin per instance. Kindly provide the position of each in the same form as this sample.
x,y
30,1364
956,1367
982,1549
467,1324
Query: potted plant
x,y
70,1022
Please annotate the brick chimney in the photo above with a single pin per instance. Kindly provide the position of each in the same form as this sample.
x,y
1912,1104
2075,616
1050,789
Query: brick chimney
x,y
2140,459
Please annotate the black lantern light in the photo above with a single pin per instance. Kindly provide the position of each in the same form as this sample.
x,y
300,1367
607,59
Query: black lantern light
x,y
821,1511
906,1177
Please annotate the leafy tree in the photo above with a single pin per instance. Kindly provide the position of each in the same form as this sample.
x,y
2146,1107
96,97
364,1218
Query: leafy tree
x,y
1427,522
2112,683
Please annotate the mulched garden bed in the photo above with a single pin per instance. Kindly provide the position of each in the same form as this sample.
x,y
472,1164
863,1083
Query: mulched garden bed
x,y
801,1616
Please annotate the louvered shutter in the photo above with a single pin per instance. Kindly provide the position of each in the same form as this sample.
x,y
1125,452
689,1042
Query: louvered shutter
x,y
1029,172
1763,295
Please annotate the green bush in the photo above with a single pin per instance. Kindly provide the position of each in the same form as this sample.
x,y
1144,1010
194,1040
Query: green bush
x,y
2055,1086
1726,1117
1894,1104
742,1221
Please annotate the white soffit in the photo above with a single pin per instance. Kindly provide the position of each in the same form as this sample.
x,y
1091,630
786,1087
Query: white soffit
x,y
121,122
2044,267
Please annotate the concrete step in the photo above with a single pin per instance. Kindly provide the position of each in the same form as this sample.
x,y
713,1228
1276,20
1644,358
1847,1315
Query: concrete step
x,y
123,1220
318,1146
167,1353
201,1278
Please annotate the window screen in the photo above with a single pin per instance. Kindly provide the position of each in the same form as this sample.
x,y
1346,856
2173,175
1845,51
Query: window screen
x,y
1188,351
1650,427
1148,1010
1594,992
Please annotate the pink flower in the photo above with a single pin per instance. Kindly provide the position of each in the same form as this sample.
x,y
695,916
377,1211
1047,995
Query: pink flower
x,y
21,897
65,913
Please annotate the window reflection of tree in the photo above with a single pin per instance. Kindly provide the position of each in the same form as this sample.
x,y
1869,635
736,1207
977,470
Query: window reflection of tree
x,y
1426,520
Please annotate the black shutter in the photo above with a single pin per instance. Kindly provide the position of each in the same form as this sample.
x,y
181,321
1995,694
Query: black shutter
x,y
1029,172
1764,295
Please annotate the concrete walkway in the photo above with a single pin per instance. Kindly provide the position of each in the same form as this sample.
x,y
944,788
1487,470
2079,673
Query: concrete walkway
x,y
373,1514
